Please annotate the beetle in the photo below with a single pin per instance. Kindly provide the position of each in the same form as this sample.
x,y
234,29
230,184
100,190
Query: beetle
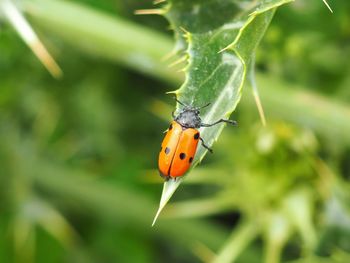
x,y
180,143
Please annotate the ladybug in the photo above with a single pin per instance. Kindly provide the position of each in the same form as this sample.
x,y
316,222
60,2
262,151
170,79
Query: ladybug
x,y
181,140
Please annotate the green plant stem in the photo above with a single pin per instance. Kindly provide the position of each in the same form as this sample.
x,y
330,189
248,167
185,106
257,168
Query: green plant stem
x,y
141,49
239,240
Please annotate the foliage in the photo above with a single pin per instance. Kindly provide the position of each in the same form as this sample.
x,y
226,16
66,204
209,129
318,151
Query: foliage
x,y
219,50
78,154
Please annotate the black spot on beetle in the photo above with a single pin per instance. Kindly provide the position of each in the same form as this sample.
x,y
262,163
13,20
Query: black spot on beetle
x,y
196,136
167,150
170,127
182,156
191,159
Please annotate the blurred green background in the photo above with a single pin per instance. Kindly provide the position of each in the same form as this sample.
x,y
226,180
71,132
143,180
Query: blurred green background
x,y
78,155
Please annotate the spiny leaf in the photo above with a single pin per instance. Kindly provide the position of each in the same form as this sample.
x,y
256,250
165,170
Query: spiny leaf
x,y
219,38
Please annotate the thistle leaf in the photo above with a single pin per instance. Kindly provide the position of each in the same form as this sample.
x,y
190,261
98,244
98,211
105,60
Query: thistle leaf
x,y
219,38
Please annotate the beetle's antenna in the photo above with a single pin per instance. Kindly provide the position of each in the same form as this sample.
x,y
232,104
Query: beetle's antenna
x,y
206,105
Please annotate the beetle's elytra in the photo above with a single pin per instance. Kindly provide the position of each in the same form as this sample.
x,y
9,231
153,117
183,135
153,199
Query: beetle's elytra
x,y
181,141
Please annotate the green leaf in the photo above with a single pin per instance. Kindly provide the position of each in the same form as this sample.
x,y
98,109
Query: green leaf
x,y
219,38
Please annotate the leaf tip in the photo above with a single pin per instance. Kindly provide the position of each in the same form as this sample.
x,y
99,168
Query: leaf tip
x,y
178,61
169,189
46,59
156,216
168,55
260,108
172,92
225,48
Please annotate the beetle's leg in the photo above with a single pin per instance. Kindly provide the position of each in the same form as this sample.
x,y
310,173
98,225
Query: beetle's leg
x,y
165,177
205,146
219,121
173,114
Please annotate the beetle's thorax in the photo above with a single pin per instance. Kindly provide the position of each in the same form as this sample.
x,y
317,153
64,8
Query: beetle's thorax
x,y
189,118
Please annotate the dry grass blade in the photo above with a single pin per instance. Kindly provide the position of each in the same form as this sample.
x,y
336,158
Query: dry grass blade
x,y
252,81
149,12
328,6
23,28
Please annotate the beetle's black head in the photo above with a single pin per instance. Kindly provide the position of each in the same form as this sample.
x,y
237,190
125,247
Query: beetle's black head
x,y
189,116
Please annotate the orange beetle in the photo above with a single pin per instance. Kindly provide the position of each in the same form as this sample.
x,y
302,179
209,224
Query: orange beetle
x,y
181,140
